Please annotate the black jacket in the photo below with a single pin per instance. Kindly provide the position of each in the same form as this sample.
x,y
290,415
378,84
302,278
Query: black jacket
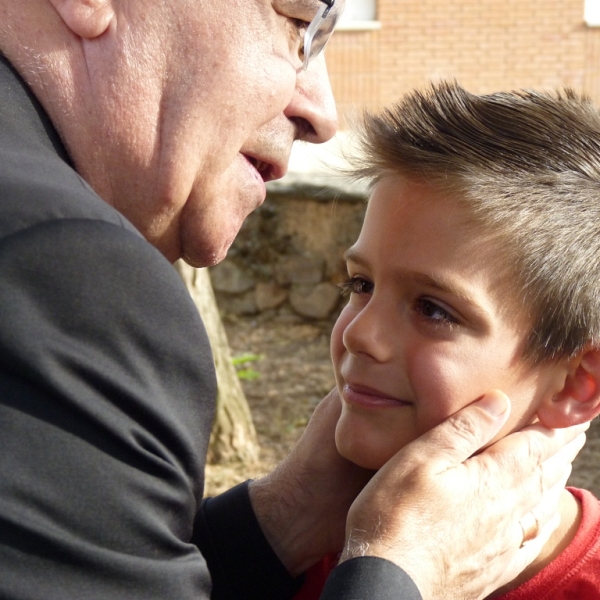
x,y
107,392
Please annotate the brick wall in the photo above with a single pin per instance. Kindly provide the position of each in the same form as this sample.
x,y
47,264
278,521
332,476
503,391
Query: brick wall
x,y
487,45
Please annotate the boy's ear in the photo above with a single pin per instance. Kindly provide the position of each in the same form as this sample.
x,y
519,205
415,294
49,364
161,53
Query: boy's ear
x,y
87,19
579,400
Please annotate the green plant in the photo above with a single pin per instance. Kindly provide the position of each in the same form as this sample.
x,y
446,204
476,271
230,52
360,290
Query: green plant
x,y
243,365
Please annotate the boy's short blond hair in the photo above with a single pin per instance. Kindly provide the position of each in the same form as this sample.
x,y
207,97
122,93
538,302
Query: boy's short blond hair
x,y
526,165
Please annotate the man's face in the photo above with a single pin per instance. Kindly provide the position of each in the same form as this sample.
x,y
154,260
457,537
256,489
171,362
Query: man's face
x,y
197,103
426,330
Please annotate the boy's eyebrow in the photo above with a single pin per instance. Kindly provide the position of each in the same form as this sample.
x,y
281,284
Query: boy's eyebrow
x,y
442,284
355,256
428,279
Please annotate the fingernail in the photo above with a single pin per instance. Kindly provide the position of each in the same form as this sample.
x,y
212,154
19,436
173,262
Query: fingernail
x,y
495,403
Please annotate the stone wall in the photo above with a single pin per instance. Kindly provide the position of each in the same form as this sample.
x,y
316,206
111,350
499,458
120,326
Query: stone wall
x,y
287,260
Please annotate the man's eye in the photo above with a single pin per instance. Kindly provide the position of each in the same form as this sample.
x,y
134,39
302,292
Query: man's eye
x,y
300,27
433,312
356,285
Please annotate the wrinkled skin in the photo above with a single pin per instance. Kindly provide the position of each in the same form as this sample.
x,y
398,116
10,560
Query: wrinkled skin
x,y
177,112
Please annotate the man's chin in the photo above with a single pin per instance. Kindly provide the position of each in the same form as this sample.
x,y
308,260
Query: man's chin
x,y
206,255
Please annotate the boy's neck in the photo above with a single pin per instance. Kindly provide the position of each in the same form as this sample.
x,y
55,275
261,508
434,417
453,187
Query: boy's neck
x,y
570,519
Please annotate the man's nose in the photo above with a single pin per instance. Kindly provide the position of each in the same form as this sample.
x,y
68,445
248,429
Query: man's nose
x,y
312,107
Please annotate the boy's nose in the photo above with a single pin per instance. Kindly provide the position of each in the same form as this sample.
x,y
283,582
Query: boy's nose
x,y
371,334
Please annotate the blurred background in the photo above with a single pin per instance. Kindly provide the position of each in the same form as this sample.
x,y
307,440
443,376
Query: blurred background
x,y
383,48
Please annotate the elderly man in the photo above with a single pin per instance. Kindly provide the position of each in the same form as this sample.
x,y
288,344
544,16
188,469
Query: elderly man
x,y
132,133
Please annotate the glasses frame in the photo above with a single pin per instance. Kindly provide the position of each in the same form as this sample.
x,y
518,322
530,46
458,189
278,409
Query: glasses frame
x,y
315,26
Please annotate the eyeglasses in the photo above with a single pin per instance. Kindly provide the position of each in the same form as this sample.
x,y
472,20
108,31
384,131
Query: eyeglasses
x,y
320,29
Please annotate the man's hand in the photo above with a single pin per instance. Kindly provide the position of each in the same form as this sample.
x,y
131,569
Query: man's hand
x,y
303,504
453,522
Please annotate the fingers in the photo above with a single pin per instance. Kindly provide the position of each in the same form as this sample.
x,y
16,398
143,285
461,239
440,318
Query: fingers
x,y
532,531
533,523
529,551
529,526
328,410
558,467
541,442
532,548
535,459
462,434
530,544
547,509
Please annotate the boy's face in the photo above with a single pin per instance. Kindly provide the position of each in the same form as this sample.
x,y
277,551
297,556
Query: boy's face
x,y
427,329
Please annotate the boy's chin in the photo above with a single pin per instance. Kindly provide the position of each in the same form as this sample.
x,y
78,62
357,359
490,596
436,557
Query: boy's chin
x,y
360,457
363,443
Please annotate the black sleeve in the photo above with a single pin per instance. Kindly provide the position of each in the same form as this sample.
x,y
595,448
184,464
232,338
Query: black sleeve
x,y
369,578
241,562
245,567
106,402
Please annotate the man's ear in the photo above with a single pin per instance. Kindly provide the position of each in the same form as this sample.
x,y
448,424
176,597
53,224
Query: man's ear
x,y
579,400
87,19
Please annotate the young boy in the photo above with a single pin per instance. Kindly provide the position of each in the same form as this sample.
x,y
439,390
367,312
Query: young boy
x,y
478,267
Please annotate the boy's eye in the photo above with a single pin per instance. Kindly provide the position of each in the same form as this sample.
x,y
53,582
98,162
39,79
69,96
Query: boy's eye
x,y
434,312
356,285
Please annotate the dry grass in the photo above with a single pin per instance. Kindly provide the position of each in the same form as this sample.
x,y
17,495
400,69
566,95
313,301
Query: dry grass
x,y
295,374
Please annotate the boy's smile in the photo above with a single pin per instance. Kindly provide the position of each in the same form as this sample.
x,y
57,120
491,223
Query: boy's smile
x,y
430,326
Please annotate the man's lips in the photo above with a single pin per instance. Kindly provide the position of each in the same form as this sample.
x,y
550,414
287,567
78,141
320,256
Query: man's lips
x,y
366,397
267,169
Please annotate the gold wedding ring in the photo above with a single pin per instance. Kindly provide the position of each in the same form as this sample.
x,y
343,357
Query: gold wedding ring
x,y
529,525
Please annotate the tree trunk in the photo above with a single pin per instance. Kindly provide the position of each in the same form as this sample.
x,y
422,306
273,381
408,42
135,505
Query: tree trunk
x,y
233,436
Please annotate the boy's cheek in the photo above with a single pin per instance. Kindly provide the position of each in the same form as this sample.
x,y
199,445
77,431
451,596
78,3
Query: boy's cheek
x,y
448,377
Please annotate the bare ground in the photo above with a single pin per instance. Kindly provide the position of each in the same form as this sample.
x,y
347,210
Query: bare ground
x,y
295,373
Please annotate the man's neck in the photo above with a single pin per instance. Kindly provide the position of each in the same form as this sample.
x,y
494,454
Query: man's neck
x,y
570,519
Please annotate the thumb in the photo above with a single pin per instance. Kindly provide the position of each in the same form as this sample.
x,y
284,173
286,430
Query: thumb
x,y
464,433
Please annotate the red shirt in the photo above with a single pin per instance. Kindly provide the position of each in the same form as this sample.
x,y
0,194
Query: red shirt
x,y
316,577
573,575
